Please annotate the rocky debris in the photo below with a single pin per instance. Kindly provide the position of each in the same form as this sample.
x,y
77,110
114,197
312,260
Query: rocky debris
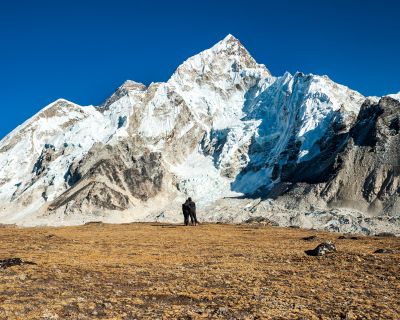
x,y
262,221
385,234
222,311
98,196
111,178
348,222
96,223
386,251
322,249
310,238
357,170
7,263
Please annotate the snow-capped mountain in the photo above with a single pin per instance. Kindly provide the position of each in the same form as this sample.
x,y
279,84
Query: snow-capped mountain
x,y
221,127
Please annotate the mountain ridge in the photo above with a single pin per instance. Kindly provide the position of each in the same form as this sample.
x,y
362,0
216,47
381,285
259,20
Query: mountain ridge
x,y
221,126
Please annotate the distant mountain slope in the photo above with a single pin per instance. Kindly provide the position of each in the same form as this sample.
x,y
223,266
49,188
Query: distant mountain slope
x,y
221,126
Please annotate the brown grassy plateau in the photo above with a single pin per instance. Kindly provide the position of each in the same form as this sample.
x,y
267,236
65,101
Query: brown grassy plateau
x,y
150,271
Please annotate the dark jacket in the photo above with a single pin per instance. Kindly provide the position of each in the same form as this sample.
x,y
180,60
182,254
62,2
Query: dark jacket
x,y
192,207
185,209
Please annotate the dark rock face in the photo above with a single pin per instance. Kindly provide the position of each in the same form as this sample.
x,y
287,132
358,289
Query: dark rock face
x,y
144,179
369,166
358,169
72,176
45,158
320,168
322,249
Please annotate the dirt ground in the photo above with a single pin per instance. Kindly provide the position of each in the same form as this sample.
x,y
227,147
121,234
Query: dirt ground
x,y
154,271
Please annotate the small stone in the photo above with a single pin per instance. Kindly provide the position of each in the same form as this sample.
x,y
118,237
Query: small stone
x,y
387,251
322,249
222,311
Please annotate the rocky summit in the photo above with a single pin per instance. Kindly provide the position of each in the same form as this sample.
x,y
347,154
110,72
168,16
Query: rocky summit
x,y
295,150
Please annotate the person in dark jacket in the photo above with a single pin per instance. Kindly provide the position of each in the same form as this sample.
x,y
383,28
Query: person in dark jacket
x,y
186,213
192,211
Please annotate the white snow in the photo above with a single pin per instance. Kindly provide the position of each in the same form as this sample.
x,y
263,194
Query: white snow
x,y
249,118
395,96
72,131
199,179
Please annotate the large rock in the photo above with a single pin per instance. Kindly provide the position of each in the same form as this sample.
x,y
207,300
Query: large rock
x,y
322,249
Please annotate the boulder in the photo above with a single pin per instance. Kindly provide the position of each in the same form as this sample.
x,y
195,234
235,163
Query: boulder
x,y
322,249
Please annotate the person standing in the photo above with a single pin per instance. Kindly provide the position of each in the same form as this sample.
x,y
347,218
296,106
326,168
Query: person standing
x,y
192,211
186,213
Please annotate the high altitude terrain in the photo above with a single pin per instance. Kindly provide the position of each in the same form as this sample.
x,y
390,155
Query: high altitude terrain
x,y
216,271
296,149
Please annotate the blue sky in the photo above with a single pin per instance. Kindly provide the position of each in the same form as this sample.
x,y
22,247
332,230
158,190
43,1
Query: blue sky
x,y
83,50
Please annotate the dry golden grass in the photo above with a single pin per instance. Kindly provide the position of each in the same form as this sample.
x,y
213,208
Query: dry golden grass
x,y
150,271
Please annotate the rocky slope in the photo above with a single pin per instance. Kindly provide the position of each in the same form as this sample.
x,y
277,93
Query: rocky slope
x,y
221,127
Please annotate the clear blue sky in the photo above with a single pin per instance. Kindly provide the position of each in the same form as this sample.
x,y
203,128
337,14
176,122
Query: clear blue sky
x,y
83,50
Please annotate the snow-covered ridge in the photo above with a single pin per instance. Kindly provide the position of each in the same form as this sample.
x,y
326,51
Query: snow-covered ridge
x,y
395,96
67,131
224,127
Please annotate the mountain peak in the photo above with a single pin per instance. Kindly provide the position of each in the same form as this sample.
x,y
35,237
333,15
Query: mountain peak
x,y
230,38
132,85
230,44
226,55
221,127
123,90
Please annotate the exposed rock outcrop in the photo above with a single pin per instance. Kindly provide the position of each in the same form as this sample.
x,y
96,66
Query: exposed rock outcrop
x,y
111,178
358,169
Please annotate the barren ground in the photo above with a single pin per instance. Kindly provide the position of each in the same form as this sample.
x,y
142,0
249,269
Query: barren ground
x,y
150,271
